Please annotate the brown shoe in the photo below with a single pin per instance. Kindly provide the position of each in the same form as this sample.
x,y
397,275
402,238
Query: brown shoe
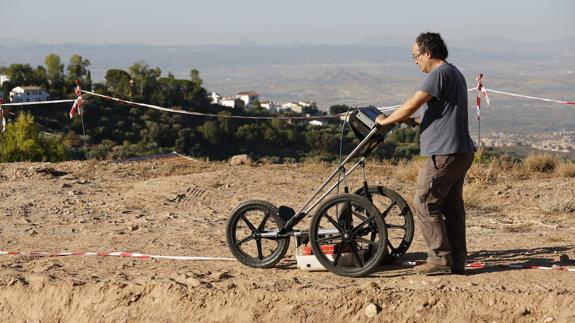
x,y
432,269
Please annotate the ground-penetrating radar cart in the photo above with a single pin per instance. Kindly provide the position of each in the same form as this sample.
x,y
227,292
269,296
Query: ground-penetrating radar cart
x,y
349,234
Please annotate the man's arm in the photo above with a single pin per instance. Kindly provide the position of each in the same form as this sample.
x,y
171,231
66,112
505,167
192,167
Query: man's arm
x,y
406,110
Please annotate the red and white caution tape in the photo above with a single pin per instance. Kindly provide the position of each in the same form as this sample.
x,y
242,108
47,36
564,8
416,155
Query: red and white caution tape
x,y
2,119
77,106
513,266
151,106
78,102
38,102
395,107
480,90
111,254
530,97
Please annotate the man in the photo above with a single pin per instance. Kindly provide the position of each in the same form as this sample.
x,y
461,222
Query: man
x,y
445,139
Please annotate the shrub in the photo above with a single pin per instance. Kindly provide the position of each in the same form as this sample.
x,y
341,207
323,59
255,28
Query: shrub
x,y
541,163
408,171
23,141
565,169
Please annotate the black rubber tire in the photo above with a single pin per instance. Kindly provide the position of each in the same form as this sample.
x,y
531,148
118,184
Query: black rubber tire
x,y
235,243
360,265
399,245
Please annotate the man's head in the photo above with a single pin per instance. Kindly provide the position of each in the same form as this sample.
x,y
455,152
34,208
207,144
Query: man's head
x,y
428,51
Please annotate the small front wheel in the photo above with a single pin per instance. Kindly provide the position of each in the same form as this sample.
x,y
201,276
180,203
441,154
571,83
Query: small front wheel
x,y
246,234
348,235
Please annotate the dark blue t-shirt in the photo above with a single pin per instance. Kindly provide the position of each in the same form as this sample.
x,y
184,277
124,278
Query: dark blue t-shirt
x,y
444,125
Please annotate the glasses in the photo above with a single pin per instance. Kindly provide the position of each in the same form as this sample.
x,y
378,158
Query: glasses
x,y
414,56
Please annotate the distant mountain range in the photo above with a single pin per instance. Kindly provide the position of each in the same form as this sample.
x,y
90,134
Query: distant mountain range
x,y
180,59
377,70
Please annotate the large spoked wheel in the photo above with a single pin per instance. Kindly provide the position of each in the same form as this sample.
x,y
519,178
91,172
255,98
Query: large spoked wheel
x,y
245,234
348,235
398,220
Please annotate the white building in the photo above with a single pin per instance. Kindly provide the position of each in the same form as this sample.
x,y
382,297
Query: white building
x,y
228,101
3,78
216,98
306,104
292,106
249,97
28,94
269,105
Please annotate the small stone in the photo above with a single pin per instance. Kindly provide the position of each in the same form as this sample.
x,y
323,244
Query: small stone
x,y
230,285
78,283
82,181
524,311
66,185
217,276
135,227
549,319
177,197
243,159
32,232
371,310
13,281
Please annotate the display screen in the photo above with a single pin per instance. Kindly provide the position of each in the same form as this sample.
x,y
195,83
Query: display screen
x,y
370,112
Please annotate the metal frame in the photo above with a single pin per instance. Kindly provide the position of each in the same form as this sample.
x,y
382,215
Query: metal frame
x,y
310,203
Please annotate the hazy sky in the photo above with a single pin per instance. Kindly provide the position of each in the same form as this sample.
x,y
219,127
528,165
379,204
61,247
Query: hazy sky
x,y
171,22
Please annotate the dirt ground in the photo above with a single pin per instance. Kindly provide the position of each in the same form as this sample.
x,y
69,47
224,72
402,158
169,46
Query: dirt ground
x,y
180,207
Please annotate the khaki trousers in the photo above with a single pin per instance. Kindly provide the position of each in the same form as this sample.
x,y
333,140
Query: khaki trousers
x,y
439,207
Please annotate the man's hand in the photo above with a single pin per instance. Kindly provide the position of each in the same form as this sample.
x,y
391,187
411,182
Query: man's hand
x,y
411,122
380,122
406,110
379,119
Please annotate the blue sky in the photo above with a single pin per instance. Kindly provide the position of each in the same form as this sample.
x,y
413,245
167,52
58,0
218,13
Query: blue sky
x,y
171,22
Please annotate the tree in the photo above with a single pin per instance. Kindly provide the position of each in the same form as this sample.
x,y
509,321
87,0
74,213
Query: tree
x,y
118,82
40,77
55,75
145,77
78,70
195,76
338,108
197,90
20,74
211,132
24,142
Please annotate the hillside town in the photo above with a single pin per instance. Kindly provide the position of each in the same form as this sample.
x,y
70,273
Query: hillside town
x,y
562,141
252,99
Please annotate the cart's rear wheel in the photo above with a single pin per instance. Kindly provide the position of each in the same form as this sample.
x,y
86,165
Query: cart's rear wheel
x,y
348,235
398,220
244,234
